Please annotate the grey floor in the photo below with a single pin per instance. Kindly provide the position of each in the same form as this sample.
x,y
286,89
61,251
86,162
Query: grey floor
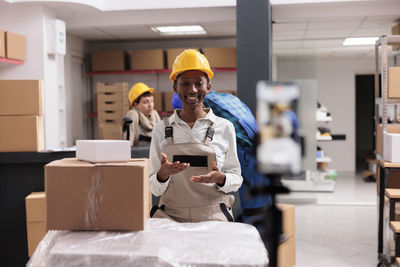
x,y
339,228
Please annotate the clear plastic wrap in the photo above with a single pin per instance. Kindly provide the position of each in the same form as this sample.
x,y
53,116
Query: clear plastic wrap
x,y
162,243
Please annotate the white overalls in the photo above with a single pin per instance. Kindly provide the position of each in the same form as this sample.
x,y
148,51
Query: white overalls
x,y
187,201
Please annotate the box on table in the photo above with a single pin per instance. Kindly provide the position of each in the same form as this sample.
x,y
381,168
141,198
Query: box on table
x,y
394,82
109,60
109,130
390,128
2,44
158,100
167,101
103,150
21,133
147,59
21,97
15,46
35,205
221,57
86,196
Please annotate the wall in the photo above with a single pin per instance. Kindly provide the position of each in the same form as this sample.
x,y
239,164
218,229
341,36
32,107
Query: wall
x,y
76,90
31,21
336,90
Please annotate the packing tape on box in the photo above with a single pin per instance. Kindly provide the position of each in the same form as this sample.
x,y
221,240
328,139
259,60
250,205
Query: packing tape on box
x,y
93,201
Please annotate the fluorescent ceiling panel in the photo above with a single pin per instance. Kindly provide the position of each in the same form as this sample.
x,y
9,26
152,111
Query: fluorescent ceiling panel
x,y
179,30
360,41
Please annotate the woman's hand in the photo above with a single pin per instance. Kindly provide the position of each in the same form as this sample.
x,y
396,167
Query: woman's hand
x,y
167,168
214,176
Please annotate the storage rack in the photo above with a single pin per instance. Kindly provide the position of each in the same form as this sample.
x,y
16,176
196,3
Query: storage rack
x,y
384,167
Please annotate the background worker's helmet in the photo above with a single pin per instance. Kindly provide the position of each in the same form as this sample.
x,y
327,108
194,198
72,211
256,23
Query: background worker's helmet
x,y
137,90
190,59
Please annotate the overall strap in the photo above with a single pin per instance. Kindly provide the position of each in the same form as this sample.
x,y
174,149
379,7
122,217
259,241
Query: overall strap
x,y
209,134
169,131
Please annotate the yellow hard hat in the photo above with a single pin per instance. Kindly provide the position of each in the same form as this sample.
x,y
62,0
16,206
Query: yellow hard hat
x,y
190,59
137,90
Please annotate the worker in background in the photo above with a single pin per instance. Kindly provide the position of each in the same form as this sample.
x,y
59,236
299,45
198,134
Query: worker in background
x,y
142,114
193,157
233,109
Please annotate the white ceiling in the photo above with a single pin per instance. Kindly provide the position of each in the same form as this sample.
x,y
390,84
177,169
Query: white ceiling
x,y
299,29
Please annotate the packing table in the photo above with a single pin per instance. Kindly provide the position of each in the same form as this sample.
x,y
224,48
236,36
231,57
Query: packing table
x,y
162,243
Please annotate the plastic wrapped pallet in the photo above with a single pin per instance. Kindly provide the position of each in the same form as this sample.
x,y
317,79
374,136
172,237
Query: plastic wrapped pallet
x,y
162,243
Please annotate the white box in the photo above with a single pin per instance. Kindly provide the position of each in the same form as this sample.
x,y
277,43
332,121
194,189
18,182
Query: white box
x,y
391,147
103,150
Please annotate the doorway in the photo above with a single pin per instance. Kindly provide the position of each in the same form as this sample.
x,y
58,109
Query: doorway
x,y
365,125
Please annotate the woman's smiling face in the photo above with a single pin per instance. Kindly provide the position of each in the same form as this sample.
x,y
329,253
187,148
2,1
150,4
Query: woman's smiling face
x,y
192,87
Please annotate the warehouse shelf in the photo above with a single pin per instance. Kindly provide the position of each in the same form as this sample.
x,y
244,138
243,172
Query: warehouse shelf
x,y
4,62
151,71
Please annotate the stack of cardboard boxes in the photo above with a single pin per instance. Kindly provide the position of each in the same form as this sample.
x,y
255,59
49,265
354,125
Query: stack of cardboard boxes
x,y
21,115
12,46
112,105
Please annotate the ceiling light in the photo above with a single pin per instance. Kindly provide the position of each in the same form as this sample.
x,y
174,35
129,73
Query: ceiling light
x,y
360,41
180,30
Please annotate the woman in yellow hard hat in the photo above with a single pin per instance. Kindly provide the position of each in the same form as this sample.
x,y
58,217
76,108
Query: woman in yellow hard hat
x,y
142,113
193,159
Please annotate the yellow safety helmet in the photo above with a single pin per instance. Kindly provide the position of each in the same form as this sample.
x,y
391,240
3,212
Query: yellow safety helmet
x,y
137,90
190,59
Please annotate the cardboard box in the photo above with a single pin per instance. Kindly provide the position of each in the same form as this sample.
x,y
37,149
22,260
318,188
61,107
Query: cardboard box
x,y
110,116
35,205
158,100
117,97
288,219
15,46
21,97
150,59
85,196
394,82
391,128
224,57
109,130
167,101
287,253
21,133
118,107
2,44
112,88
396,31
109,60
103,150
391,151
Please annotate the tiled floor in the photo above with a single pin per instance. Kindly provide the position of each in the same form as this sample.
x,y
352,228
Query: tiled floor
x,y
337,229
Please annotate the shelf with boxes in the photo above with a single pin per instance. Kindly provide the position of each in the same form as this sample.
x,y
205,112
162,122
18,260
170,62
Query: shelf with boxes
x,y
151,71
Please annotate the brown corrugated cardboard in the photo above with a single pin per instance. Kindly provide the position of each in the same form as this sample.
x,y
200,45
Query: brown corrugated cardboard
x,y
112,88
109,130
167,101
394,82
288,222
391,128
150,59
2,44
112,97
110,115
396,31
223,57
21,133
35,205
21,97
158,100
15,46
85,196
287,253
109,60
